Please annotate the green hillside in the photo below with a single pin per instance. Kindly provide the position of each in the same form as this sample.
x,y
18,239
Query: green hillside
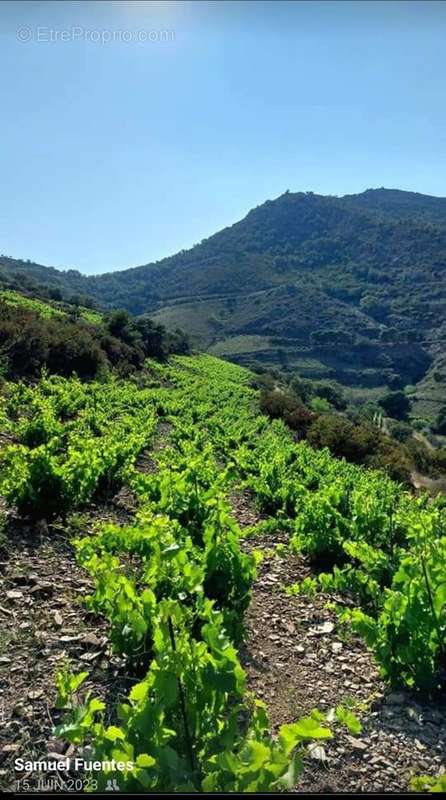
x,y
48,309
51,335
354,286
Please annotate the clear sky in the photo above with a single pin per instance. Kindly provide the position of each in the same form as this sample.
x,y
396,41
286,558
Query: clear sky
x,y
131,130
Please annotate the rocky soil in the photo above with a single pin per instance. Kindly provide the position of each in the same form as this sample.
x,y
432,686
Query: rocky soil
x,y
296,655
43,625
298,658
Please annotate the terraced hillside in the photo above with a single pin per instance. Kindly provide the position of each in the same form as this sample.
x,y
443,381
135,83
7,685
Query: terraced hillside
x,y
350,287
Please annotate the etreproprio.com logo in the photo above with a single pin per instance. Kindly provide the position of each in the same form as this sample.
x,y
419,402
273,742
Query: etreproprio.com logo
x,y
95,35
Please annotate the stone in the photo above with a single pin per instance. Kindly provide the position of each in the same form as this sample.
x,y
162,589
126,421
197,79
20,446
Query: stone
x,y
317,752
14,594
321,630
58,619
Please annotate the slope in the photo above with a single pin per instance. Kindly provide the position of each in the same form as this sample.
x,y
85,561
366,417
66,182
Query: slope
x,y
158,531
351,287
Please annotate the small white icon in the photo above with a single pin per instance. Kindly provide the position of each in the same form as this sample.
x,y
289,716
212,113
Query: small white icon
x,y
112,785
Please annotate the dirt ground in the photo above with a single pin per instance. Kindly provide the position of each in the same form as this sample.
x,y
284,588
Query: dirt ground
x,y
296,655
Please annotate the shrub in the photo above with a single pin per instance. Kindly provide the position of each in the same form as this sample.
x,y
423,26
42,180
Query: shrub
x,y
360,444
396,404
332,394
343,438
65,344
401,431
393,458
320,404
420,424
278,405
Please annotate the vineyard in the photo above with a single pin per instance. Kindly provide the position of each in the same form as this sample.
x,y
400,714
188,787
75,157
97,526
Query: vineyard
x,y
45,309
174,580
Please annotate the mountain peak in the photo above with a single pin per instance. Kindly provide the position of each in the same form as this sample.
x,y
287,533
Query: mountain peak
x,y
400,204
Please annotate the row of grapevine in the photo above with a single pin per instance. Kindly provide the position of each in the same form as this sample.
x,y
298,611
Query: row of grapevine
x,y
72,440
380,544
174,587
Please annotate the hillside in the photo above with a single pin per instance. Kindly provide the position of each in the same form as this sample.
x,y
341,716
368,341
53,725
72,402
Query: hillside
x,y
350,287
43,335
168,549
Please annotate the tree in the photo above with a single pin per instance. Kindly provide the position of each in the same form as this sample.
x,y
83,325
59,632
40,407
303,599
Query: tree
x,y
118,323
401,431
154,338
396,405
331,393
374,306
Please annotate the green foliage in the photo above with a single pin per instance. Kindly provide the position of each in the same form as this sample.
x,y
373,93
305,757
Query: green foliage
x,y
181,728
411,628
60,463
420,424
35,335
307,274
320,404
396,404
174,587
169,565
346,717
426,783
401,431
330,392
279,405
358,442
67,685
15,299
320,527
175,584
308,586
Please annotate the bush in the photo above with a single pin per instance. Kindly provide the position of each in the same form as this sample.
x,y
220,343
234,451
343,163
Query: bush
x,y
360,444
420,424
332,394
343,438
73,349
65,344
396,405
401,431
320,405
302,388
278,405
264,381
393,458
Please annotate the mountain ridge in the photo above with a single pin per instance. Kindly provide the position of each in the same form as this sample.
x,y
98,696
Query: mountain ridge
x,y
296,278
381,192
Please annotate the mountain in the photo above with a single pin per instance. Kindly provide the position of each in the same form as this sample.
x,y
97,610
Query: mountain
x,y
349,287
402,205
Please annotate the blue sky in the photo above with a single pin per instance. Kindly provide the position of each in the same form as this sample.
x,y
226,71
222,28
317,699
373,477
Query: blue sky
x,y
117,153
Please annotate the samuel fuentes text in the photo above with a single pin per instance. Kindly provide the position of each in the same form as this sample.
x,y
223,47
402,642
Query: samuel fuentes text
x,y
77,764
